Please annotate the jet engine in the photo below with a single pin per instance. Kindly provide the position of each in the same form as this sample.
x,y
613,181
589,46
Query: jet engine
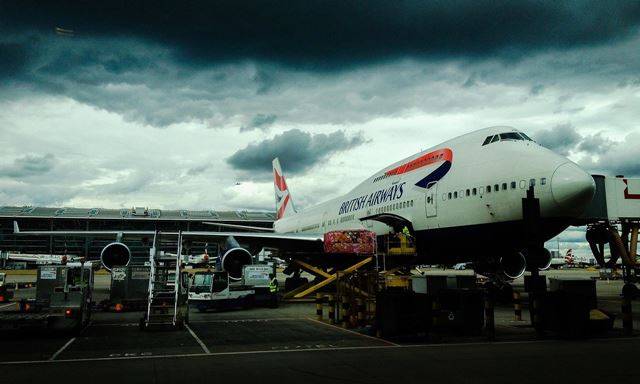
x,y
513,265
115,254
539,258
545,260
234,258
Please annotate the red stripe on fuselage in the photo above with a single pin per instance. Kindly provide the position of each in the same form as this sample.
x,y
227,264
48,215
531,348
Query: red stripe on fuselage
x,y
422,161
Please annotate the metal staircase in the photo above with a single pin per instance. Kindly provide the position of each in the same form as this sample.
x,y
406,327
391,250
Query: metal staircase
x,y
167,293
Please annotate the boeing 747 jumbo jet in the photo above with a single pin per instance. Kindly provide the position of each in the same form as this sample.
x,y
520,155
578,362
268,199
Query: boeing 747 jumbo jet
x,y
460,200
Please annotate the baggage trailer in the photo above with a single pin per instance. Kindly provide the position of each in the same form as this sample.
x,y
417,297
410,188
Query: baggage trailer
x,y
63,300
129,289
215,289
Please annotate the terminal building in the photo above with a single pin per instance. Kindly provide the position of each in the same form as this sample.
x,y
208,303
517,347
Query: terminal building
x,y
31,218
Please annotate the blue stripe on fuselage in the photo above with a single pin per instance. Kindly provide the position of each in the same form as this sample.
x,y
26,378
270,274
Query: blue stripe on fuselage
x,y
435,175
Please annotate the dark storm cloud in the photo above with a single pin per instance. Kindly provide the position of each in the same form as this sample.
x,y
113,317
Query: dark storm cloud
x,y
561,138
29,165
14,59
596,144
621,158
259,121
564,138
334,34
297,150
602,155
336,62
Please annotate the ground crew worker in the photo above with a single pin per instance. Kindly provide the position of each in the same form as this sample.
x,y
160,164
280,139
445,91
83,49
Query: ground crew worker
x,y
408,237
273,285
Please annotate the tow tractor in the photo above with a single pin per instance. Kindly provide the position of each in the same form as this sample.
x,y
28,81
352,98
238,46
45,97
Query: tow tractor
x,y
63,299
215,289
5,294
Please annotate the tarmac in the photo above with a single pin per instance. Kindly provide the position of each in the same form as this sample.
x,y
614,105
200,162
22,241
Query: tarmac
x,y
288,343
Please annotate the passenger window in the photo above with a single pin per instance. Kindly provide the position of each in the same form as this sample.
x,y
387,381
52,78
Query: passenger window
x,y
449,195
461,193
496,187
488,189
487,140
495,138
543,181
532,182
513,185
444,196
504,186
481,190
468,192
474,191
455,194
523,184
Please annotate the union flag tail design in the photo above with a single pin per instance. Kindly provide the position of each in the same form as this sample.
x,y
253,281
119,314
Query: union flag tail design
x,y
284,205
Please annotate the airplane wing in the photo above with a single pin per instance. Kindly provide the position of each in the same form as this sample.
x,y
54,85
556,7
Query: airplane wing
x,y
296,242
17,231
239,226
283,241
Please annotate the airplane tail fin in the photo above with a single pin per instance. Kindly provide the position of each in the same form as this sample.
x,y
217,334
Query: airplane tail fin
x,y
284,205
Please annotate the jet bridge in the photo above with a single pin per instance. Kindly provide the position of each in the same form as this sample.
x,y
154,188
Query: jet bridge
x,y
613,219
616,199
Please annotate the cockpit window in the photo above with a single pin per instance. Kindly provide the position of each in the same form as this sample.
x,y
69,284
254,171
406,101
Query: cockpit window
x,y
525,136
506,136
510,136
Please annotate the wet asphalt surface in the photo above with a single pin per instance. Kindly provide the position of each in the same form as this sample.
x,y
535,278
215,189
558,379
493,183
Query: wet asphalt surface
x,y
288,343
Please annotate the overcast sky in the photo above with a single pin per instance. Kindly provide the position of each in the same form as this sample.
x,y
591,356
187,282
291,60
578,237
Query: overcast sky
x,y
183,105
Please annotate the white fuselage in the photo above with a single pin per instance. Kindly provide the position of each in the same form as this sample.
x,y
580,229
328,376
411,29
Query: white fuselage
x,y
484,185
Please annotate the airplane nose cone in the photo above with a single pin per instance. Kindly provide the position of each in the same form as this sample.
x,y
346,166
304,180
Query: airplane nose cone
x,y
572,188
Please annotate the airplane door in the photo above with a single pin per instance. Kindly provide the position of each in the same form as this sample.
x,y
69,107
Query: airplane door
x,y
431,199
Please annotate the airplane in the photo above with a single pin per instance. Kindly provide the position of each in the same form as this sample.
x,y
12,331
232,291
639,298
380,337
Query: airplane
x,y
461,201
